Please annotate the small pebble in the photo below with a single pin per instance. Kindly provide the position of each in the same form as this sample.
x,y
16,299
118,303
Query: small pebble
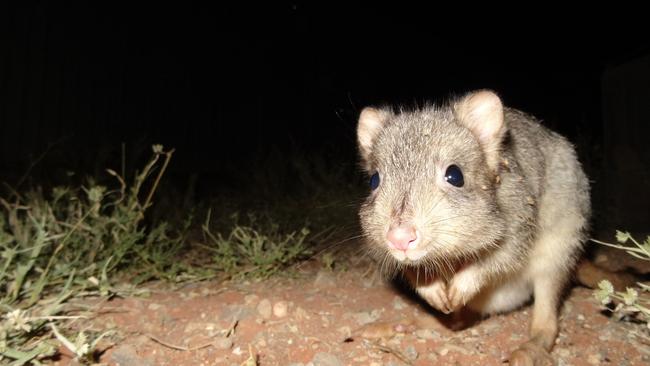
x,y
280,309
264,308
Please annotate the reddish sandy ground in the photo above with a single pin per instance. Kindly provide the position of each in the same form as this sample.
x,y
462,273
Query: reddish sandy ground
x,y
340,317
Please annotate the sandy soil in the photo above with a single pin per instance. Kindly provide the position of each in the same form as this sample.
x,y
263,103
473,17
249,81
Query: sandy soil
x,y
340,317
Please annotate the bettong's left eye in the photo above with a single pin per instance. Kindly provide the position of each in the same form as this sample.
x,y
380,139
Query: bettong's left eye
x,y
454,176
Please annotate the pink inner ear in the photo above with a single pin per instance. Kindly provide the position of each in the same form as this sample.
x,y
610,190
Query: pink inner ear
x,y
371,122
483,115
490,128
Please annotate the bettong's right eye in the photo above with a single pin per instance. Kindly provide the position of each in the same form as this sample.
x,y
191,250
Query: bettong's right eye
x,y
374,181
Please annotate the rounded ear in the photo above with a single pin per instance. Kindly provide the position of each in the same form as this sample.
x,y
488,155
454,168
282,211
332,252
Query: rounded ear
x,y
482,113
371,122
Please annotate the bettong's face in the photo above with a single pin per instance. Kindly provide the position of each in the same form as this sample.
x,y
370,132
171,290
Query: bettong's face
x,y
431,200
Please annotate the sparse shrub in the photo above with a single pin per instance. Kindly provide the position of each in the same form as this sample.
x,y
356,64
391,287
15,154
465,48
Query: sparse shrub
x,y
71,243
79,242
254,250
634,303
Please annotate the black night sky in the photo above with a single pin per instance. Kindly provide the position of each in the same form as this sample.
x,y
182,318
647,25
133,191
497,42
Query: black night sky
x,y
228,85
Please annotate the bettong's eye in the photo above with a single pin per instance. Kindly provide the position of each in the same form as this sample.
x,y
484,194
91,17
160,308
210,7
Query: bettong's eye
x,y
374,181
454,176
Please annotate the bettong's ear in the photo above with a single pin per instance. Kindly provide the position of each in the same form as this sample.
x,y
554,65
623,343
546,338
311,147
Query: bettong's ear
x,y
371,122
482,113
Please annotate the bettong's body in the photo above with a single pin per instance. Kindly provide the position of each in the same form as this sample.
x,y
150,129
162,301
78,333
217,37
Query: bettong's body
x,y
477,205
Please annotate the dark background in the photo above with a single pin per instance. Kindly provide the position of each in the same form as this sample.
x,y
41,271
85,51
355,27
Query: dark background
x,y
228,86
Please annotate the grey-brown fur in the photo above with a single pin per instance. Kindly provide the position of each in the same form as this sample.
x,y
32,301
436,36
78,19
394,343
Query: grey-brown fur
x,y
514,229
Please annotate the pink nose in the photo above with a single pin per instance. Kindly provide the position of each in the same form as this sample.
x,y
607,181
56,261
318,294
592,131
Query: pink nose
x,y
401,236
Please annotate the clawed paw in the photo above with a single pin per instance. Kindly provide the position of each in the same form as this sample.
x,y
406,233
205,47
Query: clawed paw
x,y
463,288
449,297
436,295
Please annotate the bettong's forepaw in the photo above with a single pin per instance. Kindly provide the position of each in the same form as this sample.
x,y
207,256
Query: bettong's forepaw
x,y
461,289
436,295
